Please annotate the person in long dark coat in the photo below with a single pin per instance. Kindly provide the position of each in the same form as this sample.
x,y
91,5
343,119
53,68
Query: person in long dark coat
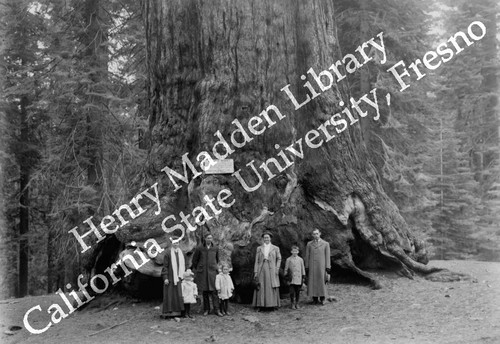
x,y
171,273
317,263
266,268
205,266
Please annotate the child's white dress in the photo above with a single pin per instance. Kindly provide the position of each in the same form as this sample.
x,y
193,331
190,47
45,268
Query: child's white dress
x,y
189,291
224,283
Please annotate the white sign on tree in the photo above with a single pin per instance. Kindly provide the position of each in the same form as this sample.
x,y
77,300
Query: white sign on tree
x,y
222,167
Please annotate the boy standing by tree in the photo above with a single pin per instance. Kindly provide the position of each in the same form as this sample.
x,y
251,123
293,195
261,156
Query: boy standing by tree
x,y
295,272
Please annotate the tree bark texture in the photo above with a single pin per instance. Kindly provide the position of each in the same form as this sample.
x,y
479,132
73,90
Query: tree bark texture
x,y
212,62
24,202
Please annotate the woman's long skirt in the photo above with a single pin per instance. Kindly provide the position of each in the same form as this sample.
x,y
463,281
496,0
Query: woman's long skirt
x,y
266,296
173,304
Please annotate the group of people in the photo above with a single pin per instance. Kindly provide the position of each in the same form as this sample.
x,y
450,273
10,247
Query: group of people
x,y
180,289
315,270
180,292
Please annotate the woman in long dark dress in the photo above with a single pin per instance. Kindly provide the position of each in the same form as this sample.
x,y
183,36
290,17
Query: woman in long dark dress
x,y
172,272
266,268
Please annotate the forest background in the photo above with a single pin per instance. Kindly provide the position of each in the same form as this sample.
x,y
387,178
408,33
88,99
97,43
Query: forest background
x,y
75,126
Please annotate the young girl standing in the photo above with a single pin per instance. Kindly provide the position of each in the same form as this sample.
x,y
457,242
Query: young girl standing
x,y
189,292
225,288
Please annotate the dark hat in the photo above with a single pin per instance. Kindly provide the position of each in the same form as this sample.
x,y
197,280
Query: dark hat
x,y
266,233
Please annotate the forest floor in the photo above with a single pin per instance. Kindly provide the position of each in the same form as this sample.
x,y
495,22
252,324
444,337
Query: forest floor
x,y
404,311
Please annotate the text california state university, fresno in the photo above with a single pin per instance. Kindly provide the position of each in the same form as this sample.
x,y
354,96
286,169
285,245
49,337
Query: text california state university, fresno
x,y
431,60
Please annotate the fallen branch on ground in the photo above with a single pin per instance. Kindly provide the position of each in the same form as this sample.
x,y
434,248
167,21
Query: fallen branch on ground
x,y
108,328
8,302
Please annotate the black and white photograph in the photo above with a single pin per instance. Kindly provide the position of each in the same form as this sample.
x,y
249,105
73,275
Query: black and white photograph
x,y
259,171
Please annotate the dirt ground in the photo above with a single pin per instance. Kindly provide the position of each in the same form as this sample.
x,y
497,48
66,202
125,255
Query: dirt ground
x,y
404,311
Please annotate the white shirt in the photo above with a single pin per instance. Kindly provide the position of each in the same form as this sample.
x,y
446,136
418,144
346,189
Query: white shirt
x,y
224,285
267,248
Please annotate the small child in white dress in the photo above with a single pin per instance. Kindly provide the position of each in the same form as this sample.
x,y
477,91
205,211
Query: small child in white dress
x,y
189,291
225,288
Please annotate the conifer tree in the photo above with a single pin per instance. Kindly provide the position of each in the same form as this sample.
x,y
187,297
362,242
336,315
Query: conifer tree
x,y
92,149
20,94
75,69
471,93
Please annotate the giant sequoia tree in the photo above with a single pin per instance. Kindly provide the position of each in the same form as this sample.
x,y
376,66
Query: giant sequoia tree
x,y
211,63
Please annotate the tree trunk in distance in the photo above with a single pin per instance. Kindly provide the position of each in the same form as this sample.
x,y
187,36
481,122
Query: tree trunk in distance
x,y
24,203
94,37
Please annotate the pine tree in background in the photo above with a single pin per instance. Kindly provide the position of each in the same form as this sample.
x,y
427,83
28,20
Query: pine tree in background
x,y
455,216
77,68
21,92
471,91
92,152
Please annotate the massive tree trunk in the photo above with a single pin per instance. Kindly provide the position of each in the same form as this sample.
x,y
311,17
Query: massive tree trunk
x,y
212,62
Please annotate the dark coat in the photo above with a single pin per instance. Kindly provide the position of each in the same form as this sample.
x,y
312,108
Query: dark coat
x,y
205,267
317,260
173,303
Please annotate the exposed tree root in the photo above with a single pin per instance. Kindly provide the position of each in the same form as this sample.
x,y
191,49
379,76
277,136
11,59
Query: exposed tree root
x,y
388,248
410,263
347,263
446,275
